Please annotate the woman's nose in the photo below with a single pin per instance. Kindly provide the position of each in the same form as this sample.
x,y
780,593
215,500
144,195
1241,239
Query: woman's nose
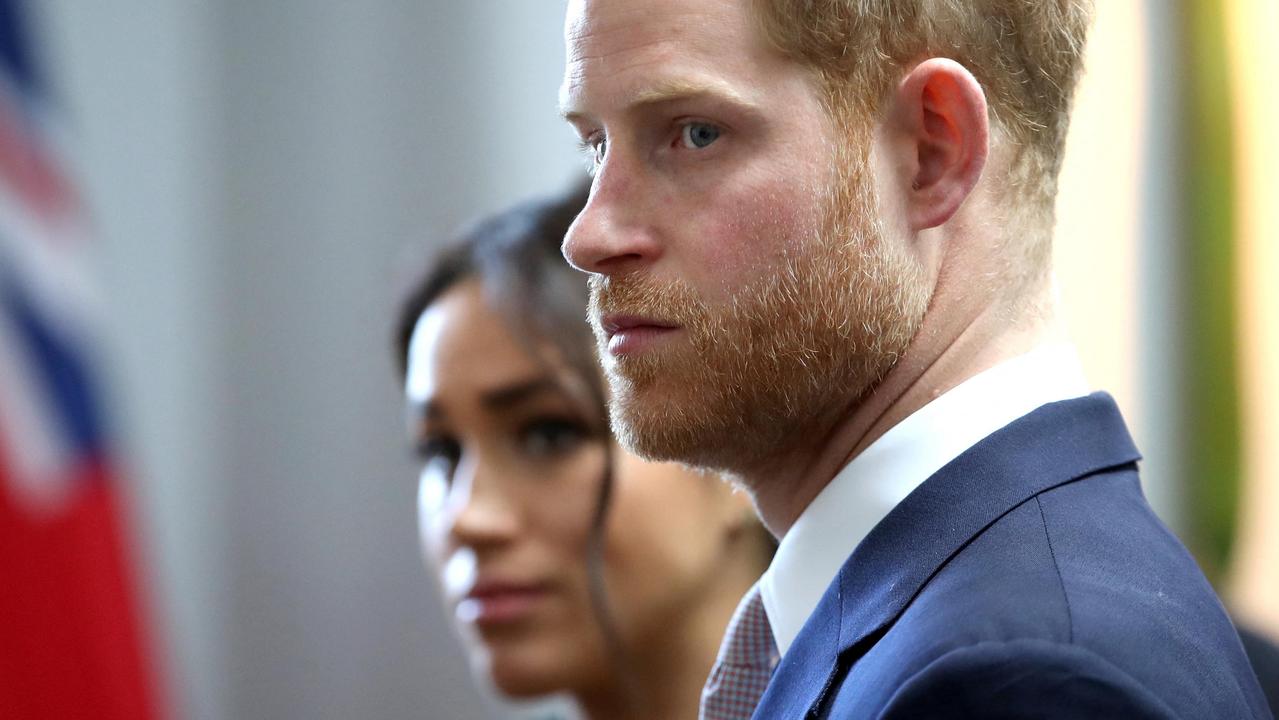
x,y
486,513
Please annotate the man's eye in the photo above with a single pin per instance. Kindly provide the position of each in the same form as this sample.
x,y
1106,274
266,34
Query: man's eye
x,y
696,136
593,150
598,149
550,437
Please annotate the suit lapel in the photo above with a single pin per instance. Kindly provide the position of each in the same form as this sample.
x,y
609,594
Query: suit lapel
x,y
1053,445
808,668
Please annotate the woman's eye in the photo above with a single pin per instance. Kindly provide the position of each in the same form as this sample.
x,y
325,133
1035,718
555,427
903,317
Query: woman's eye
x,y
551,437
440,456
696,136
432,490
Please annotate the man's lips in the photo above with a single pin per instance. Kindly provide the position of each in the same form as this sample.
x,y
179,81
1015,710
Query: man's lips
x,y
496,602
630,334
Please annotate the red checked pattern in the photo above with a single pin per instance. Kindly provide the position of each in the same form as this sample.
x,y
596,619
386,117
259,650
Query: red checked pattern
x,y
745,663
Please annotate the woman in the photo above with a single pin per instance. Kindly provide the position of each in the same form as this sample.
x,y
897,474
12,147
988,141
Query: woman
x,y
572,565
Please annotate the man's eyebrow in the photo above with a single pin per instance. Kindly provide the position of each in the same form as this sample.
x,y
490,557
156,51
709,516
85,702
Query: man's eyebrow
x,y
668,91
671,90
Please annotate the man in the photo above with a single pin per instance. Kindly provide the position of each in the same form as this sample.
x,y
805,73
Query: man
x,y
818,242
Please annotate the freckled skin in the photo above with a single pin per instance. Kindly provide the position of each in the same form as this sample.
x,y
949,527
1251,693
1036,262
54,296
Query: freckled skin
x,y
924,296
790,292
756,249
715,220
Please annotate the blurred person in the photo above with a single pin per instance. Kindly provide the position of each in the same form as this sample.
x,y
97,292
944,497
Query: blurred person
x,y
818,241
572,566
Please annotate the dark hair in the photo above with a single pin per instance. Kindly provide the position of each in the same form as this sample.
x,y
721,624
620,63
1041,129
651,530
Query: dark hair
x,y
516,256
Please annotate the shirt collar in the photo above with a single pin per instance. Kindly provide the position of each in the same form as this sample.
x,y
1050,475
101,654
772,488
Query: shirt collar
x,y
871,484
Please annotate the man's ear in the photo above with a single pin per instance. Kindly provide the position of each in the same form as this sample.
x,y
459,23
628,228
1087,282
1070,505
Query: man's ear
x,y
943,132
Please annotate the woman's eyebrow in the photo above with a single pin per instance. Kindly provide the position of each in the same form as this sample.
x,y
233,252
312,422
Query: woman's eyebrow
x,y
500,398
508,396
423,414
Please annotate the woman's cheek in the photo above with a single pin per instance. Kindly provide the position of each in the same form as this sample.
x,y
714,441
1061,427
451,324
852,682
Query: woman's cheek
x,y
569,496
432,519
638,537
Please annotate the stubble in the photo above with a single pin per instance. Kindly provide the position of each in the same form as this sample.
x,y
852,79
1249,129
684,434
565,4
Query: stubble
x,y
780,359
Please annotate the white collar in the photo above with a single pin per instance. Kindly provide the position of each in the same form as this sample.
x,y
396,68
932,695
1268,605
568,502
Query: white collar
x,y
872,483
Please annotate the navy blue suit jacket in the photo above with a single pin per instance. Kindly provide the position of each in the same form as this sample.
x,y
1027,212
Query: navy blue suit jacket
x,y
1026,579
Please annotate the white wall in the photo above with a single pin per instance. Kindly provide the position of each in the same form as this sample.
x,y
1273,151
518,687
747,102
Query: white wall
x,y
1161,342
258,172
1117,238
139,108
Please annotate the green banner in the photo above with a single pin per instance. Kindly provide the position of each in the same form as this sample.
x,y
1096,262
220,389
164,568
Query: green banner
x,y
1212,452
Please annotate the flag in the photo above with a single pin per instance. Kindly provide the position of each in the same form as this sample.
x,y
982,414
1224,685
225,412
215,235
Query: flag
x,y
72,643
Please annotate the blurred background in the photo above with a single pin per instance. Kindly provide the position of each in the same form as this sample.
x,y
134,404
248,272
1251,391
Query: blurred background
x,y
257,179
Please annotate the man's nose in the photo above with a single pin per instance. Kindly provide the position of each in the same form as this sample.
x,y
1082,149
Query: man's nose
x,y
613,234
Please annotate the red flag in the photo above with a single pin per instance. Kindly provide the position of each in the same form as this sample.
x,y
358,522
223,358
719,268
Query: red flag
x,y
70,640
72,644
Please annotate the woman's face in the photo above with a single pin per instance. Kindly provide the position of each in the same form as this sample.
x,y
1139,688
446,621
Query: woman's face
x,y
511,473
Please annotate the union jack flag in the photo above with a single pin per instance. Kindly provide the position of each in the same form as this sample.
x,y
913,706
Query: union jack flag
x,y
71,641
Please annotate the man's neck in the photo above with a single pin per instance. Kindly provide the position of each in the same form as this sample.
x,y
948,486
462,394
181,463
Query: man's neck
x,y
943,355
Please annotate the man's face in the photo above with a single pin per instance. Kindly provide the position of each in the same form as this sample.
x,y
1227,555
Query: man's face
x,y
741,290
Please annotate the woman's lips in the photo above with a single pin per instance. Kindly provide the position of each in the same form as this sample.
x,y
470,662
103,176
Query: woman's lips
x,y
495,603
628,334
